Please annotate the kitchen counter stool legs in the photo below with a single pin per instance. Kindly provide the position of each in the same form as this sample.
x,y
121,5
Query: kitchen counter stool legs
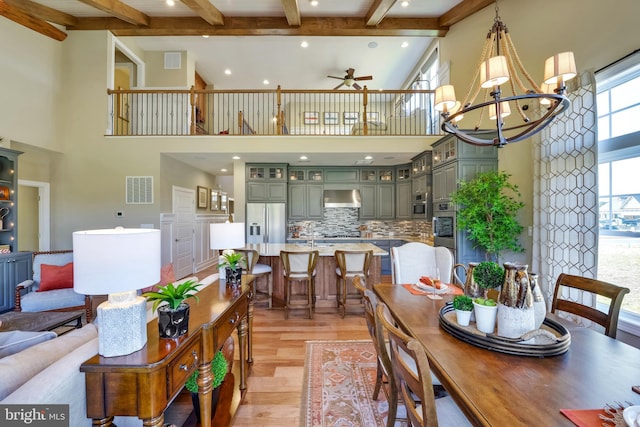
x,y
299,267
350,264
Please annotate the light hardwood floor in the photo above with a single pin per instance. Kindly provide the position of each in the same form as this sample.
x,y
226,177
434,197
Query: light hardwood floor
x,y
274,385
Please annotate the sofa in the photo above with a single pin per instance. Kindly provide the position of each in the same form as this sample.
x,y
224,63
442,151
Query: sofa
x,y
49,371
414,124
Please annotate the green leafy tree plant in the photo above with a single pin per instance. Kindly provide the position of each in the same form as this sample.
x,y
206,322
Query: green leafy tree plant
x,y
488,206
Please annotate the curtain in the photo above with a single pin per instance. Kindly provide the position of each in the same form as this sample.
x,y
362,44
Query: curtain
x,y
565,205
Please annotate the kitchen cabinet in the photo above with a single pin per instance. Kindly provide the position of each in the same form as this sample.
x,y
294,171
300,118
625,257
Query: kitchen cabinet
x,y
15,268
403,200
305,201
266,183
341,175
385,260
9,200
378,201
421,164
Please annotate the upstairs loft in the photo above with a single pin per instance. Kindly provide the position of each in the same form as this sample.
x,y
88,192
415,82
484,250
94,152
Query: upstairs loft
x,y
191,112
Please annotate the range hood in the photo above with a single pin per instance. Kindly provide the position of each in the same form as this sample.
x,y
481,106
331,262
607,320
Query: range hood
x,y
342,199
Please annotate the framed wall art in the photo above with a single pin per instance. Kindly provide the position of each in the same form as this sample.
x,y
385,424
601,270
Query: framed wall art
x,y
373,117
330,118
350,118
311,117
203,197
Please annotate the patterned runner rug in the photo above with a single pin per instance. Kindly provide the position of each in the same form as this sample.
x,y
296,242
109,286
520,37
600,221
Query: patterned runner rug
x,y
339,378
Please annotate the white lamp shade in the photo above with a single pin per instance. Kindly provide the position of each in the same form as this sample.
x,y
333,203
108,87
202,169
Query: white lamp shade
x,y
115,260
445,98
547,88
494,72
559,66
227,235
505,110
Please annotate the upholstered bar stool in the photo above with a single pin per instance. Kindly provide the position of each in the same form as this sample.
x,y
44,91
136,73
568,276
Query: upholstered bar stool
x,y
299,267
258,271
350,264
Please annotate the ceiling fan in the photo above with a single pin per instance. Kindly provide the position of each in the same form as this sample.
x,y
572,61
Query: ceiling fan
x,y
350,80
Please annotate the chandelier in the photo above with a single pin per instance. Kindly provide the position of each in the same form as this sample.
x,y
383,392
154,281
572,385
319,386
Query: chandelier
x,y
499,66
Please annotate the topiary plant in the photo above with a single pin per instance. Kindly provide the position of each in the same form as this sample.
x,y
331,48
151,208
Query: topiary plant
x,y
488,275
219,369
463,302
488,213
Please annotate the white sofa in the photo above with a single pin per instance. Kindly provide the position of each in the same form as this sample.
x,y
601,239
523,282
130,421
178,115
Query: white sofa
x,y
49,372
414,124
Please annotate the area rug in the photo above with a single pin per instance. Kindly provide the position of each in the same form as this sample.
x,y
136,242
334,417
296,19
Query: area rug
x,y
339,377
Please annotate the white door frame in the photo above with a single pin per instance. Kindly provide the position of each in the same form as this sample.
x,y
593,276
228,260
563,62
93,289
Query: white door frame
x,y
44,212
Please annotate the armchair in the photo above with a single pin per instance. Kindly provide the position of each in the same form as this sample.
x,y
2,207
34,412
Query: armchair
x,y
29,298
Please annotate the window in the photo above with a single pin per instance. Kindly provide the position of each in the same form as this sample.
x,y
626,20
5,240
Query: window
x,y
618,104
426,79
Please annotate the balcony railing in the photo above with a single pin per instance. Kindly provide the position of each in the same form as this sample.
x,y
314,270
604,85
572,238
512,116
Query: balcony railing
x,y
272,112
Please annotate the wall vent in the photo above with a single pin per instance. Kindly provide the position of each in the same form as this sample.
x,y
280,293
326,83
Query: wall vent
x,y
172,60
139,190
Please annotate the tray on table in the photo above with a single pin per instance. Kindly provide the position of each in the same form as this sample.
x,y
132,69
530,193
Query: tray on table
x,y
493,342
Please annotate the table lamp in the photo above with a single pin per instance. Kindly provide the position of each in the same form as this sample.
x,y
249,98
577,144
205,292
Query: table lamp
x,y
117,262
226,236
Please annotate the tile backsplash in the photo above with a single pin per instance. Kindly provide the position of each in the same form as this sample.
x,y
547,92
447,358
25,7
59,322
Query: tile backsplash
x,y
345,221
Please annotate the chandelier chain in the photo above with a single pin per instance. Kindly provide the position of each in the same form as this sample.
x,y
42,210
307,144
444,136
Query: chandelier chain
x,y
469,98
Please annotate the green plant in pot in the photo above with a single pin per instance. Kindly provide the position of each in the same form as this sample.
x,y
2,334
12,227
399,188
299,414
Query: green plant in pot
x,y
233,264
463,305
219,369
489,276
173,311
487,210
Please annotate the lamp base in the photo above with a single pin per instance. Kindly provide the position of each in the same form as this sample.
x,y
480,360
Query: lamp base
x,y
122,324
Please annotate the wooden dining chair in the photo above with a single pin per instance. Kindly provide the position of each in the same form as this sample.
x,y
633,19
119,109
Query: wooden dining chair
x,y
351,264
412,376
609,319
300,266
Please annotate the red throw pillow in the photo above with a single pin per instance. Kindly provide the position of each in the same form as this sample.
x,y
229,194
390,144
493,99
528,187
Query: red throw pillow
x,y
55,277
166,276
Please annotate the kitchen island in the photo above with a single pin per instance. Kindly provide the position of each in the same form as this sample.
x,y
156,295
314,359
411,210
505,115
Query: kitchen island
x,y
326,268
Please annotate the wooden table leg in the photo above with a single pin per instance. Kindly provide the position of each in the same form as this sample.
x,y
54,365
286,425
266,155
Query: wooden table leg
x,y
242,342
154,422
250,333
103,422
205,387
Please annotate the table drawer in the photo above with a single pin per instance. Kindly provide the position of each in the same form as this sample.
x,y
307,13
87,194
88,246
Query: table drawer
x,y
182,366
229,320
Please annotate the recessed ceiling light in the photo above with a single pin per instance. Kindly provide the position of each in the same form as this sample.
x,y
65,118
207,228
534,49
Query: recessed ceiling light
x,y
314,3
303,158
405,3
368,157
236,157
304,44
171,3
372,45
404,44
265,82
223,170
205,36
227,72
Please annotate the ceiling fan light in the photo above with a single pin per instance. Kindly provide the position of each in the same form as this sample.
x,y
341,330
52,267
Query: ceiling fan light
x,y
349,82
445,98
494,72
559,67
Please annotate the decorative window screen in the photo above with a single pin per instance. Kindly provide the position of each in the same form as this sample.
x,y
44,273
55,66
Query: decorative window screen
x,y
139,190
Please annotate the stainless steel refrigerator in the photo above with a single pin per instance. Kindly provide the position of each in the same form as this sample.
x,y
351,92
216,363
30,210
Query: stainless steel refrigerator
x,y
266,223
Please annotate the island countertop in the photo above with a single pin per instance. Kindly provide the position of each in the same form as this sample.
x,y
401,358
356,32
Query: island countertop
x,y
324,249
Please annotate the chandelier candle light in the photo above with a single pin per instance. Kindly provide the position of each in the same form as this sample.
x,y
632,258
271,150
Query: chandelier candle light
x,y
499,64
117,262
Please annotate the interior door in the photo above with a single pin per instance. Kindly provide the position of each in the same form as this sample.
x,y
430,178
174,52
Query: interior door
x,y
184,209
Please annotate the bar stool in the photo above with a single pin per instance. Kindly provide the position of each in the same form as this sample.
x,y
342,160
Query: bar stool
x,y
350,264
258,271
299,267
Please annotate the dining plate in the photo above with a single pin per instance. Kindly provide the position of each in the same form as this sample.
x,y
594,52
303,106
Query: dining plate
x,y
631,416
443,288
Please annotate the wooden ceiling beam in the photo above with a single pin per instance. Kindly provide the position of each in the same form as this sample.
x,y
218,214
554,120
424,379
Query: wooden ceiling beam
x,y
206,11
43,12
463,10
31,22
378,11
255,26
292,12
120,10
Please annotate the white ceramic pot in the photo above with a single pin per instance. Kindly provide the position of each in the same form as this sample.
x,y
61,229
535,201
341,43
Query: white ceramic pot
x,y
485,317
463,317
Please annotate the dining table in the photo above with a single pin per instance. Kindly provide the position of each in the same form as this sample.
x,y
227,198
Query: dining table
x,y
498,389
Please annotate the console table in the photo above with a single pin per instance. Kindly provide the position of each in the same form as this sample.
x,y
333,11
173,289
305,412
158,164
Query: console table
x,y
144,383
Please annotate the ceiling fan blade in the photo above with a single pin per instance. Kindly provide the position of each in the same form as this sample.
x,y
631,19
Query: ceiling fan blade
x,y
363,78
339,86
334,77
356,86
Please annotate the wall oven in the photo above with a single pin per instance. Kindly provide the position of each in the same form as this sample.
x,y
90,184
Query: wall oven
x,y
444,226
419,205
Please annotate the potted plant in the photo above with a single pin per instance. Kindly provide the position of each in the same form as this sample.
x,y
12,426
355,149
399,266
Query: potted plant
x,y
463,305
487,212
488,275
173,311
233,263
219,369
486,310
